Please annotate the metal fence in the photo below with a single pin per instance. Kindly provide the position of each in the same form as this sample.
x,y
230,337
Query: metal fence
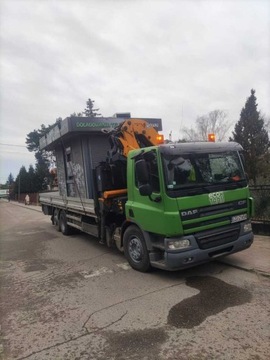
x,y
261,218
261,195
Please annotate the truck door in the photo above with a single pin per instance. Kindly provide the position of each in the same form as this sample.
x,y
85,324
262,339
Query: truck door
x,y
147,210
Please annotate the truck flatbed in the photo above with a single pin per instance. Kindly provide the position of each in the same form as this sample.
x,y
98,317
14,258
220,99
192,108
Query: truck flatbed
x,y
54,199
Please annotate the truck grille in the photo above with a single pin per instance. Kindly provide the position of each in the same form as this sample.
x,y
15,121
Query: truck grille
x,y
201,212
220,211
211,238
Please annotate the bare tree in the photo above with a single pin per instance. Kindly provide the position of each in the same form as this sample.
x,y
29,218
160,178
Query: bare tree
x,y
214,122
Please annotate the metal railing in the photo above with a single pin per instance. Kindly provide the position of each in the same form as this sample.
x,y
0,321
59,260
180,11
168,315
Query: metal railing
x,y
261,218
261,196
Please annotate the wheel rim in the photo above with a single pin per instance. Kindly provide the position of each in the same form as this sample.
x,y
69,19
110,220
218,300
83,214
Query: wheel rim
x,y
135,250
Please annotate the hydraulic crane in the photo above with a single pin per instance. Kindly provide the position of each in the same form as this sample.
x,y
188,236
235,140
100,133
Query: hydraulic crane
x,y
133,134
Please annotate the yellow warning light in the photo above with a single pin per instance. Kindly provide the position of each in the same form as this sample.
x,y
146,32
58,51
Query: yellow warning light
x,y
160,139
211,137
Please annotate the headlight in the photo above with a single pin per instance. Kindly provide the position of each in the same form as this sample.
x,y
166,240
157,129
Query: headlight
x,y
178,244
247,227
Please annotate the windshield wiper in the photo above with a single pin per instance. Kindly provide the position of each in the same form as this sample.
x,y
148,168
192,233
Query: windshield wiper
x,y
192,188
236,184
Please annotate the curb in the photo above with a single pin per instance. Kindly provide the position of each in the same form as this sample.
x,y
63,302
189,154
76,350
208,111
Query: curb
x,y
29,207
251,270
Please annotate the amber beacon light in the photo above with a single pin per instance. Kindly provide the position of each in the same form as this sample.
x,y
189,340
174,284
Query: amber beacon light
x,y
211,137
160,139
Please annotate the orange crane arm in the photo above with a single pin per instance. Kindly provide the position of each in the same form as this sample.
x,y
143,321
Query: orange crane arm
x,y
136,134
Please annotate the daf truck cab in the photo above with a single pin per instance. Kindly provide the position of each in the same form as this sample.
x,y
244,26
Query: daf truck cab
x,y
191,203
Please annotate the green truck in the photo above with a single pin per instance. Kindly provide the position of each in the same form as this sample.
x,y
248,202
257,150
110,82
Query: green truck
x,y
169,206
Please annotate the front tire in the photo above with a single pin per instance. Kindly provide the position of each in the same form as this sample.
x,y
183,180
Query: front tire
x,y
135,249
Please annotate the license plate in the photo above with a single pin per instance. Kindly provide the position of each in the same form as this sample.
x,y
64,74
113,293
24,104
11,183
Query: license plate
x,y
238,218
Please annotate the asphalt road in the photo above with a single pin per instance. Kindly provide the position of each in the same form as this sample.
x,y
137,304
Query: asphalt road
x,y
71,298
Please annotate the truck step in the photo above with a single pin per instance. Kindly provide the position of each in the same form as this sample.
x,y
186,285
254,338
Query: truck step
x,y
160,264
159,246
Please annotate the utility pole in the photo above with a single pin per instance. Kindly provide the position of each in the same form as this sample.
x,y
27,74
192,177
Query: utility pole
x,y
181,121
19,188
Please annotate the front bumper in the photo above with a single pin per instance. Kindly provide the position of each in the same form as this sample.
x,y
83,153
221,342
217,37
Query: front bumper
x,y
177,260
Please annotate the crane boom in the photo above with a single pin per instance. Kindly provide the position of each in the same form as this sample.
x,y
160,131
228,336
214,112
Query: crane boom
x,y
133,134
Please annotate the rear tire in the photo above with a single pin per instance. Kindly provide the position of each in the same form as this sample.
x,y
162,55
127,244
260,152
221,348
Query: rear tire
x,y
135,249
64,227
55,219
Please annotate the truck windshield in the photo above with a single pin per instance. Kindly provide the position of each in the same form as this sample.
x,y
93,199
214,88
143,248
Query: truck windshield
x,y
197,173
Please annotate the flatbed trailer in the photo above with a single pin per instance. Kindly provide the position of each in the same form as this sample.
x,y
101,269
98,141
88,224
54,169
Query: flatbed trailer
x,y
69,213
53,198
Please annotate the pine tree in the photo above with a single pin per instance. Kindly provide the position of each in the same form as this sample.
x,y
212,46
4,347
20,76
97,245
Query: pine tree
x,y
89,110
32,186
22,181
41,176
250,132
10,179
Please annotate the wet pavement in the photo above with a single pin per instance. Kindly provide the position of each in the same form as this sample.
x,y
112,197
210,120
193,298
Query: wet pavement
x,y
208,302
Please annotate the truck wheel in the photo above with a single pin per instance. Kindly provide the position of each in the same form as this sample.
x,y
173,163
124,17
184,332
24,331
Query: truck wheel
x,y
64,227
135,249
55,220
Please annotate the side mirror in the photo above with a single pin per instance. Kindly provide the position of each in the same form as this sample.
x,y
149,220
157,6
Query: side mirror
x,y
142,172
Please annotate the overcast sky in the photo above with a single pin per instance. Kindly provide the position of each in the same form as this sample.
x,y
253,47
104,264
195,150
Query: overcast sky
x,y
174,60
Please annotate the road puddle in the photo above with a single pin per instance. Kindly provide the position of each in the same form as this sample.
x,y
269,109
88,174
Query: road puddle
x,y
215,296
